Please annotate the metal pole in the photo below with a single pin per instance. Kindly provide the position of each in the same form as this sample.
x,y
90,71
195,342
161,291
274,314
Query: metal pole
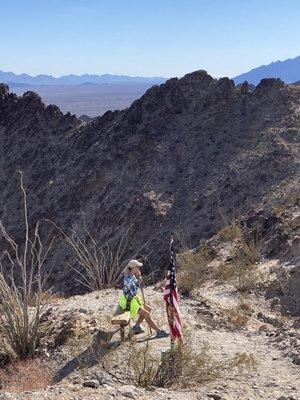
x,y
143,296
171,311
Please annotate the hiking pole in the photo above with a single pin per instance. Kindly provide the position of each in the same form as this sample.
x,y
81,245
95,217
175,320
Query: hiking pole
x,y
147,308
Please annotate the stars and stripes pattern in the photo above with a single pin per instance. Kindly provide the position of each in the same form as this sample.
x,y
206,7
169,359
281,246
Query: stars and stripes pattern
x,y
171,298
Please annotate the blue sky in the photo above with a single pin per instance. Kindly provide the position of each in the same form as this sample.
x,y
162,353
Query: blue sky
x,y
146,37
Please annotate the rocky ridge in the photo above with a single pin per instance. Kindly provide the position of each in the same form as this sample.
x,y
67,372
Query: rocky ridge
x,y
165,164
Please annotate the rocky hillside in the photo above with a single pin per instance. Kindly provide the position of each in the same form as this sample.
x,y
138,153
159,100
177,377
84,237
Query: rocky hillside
x,y
166,163
79,345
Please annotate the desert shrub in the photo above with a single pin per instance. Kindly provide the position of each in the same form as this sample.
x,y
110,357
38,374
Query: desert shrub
x,y
100,266
30,374
19,322
193,268
180,366
242,361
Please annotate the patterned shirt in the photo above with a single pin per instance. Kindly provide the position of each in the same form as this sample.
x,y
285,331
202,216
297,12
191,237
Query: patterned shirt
x,y
131,286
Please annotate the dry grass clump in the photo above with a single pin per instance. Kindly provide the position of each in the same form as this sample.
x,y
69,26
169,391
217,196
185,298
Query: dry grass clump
x,y
249,249
285,210
249,278
246,259
289,200
231,230
243,268
29,374
193,268
47,298
237,317
224,272
242,361
180,366
245,277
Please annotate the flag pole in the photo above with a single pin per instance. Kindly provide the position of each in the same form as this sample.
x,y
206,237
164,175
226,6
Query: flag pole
x,y
171,298
171,310
145,305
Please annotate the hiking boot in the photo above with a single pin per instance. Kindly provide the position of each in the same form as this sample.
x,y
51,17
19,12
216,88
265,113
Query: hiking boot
x,y
137,330
161,334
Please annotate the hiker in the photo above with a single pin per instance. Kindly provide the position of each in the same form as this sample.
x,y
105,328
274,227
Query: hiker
x,y
130,301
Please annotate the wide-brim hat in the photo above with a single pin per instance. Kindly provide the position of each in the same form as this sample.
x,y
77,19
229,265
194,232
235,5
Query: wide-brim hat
x,y
134,264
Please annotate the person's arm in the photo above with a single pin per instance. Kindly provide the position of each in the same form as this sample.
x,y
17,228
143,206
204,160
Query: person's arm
x,y
139,279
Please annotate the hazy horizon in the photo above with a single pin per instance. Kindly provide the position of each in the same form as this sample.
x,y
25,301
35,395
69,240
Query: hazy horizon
x,y
93,73
135,76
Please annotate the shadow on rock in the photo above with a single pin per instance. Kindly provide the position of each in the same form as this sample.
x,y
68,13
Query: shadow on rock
x,y
91,356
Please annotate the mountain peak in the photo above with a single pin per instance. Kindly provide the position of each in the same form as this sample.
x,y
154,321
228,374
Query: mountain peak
x,y
288,70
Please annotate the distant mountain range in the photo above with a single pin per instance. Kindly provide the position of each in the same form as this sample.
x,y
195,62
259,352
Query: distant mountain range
x,y
287,70
25,79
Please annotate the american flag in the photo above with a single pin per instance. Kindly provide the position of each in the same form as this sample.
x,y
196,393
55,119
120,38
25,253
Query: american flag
x,y
171,298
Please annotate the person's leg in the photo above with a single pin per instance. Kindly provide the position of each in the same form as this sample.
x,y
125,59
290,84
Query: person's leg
x,y
140,320
144,315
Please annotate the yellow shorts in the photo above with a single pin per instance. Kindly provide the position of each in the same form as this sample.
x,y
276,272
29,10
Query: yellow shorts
x,y
135,304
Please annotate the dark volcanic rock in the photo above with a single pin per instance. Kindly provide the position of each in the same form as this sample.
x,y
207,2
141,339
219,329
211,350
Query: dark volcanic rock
x,y
165,163
86,118
245,88
4,89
